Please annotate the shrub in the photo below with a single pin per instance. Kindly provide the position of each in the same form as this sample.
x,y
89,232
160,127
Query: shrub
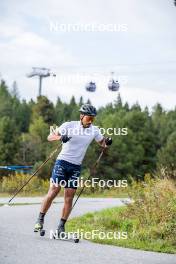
x,y
154,206
9,184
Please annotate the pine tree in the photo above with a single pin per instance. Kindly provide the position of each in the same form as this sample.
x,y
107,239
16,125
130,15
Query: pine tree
x,y
81,101
118,102
45,109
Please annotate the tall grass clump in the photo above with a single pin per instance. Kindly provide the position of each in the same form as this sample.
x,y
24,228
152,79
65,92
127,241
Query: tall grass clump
x,y
9,184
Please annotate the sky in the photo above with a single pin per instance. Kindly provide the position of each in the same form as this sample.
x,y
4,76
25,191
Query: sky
x,y
86,41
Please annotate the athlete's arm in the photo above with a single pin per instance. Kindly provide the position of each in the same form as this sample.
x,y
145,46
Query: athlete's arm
x,y
60,133
102,143
105,142
54,137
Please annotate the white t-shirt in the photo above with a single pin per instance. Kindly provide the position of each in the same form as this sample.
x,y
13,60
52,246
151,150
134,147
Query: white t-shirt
x,y
74,150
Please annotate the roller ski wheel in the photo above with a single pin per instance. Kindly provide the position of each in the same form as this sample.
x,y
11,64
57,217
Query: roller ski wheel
x,y
76,240
63,236
42,232
39,228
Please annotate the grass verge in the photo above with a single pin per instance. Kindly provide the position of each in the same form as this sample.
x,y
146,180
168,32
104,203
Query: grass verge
x,y
114,220
150,220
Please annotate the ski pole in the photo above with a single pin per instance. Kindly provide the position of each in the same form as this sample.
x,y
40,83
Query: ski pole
x,y
93,169
50,156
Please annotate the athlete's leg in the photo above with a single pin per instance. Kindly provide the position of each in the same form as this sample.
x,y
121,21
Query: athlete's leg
x,y
68,200
52,193
72,176
56,177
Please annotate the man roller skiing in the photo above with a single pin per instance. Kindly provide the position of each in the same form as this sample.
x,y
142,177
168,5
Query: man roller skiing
x,y
76,137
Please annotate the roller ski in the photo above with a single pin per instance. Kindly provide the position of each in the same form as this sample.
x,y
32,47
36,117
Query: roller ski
x,y
39,225
62,235
65,236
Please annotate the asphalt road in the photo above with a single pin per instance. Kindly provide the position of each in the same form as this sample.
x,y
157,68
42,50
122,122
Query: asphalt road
x,y
19,245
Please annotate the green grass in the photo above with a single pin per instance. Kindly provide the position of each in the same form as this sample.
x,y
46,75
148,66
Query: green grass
x,y
16,204
114,220
112,193
5,194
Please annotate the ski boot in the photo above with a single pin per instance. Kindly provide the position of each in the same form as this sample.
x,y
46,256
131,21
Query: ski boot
x,y
60,232
39,226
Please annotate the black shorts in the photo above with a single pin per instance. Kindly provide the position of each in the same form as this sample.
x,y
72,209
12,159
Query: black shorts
x,y
66,174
